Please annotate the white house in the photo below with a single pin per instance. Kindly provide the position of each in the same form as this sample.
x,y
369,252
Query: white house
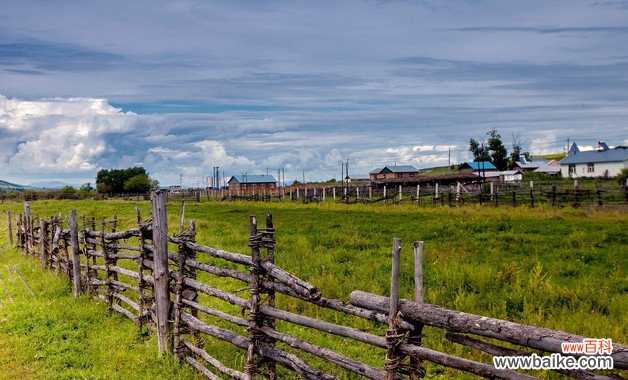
x,y
603,162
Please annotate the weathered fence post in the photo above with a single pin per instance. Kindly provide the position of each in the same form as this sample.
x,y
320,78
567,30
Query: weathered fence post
x,y
143,297
384,191
531,196
27,226
458,191
400,192
43,238
160,268
393,360
414,337
254,315
76,260
333,191
268,239
418,194
10,227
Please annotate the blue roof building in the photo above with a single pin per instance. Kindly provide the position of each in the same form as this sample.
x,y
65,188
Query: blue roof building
x,y
477,166
603,163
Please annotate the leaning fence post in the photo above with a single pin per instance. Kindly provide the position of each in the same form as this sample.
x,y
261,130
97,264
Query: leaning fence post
x,y
160,268
417,370
392,335
76,260
10,227
255,298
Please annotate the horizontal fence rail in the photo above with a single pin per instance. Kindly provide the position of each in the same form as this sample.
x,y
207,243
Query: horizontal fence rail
x,y
171,284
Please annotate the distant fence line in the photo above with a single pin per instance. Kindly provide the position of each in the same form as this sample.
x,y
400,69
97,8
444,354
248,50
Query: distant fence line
x,y
561,193
138,276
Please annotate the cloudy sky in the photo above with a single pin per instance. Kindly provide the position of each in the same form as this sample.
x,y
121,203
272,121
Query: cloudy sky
x,y
183,86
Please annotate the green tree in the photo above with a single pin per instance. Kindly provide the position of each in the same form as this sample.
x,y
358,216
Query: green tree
x,y
498,152
115,180
479,151
67,192
137,184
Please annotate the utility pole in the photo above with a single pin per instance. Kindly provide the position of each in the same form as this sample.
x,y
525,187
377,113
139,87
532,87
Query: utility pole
x,y
347,170
449,159
342,173
304,176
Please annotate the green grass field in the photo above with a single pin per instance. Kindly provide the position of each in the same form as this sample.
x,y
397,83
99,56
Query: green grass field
x,y
563,269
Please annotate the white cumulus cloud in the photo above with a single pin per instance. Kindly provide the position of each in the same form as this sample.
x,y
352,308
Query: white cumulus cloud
x,y
57,135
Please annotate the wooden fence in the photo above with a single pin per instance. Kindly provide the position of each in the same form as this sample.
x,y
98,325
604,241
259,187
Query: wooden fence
x,y
135,274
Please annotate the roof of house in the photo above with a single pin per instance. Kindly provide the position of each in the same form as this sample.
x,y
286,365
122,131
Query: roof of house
x,y
594,156
482,165
502,173
573,150
264,178
532,163
549,168
395,169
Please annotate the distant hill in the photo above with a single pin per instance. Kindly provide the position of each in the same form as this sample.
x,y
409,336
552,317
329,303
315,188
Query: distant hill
x,y
554,156
49,185
5,184
437,171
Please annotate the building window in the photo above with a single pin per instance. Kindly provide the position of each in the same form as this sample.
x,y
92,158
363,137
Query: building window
x,y
254,186
244,187
411,174
590,167
572,169
399,175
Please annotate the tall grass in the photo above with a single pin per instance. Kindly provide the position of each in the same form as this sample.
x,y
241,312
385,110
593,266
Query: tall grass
x,y
563,268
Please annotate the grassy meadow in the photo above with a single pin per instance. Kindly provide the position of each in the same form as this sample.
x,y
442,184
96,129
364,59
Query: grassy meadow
x,y
561,268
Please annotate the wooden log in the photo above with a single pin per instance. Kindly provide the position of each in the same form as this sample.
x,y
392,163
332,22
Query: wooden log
x,y
323,302
76,260
201,368
284,358
113,235
127,301
528,336
160,272
232,373
123,311
466,365
298,285
328,355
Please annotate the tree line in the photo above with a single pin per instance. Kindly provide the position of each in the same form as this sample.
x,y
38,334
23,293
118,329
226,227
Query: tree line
x,y
124,181
495,151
